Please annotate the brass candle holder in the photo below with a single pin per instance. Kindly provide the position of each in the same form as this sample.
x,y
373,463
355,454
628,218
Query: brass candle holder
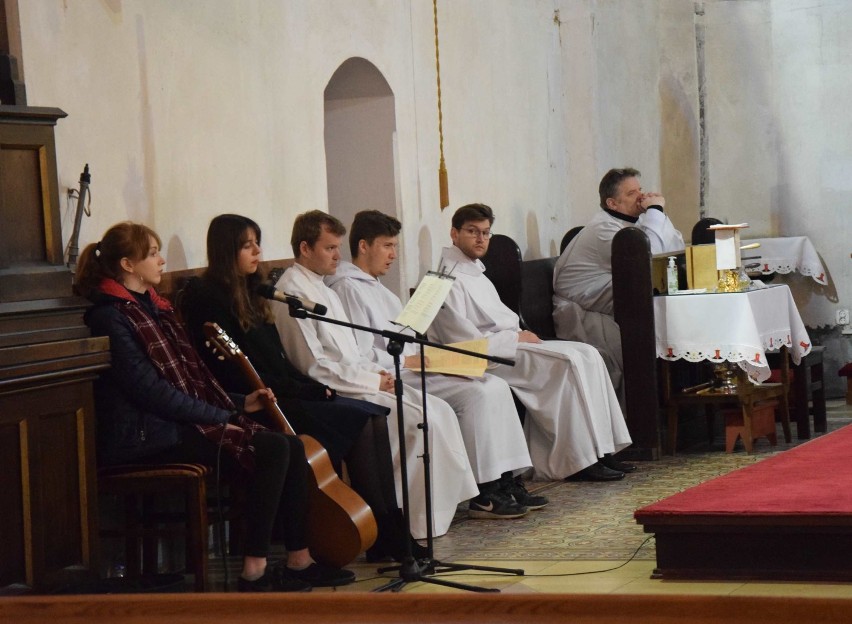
x,y
727,378
731,280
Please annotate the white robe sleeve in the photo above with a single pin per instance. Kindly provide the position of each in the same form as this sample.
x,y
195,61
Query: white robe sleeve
x,y
661,232
454,324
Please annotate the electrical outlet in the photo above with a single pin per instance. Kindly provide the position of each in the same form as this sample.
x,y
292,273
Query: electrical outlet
x,y
842,317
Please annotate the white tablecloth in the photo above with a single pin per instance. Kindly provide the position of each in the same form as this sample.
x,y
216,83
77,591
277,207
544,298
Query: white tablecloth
x,y
732,327
788,254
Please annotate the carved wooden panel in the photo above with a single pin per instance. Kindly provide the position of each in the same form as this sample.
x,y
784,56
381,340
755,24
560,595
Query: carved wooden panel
x,y
31,255
47,503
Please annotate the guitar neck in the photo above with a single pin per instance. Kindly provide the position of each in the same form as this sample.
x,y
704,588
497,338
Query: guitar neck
x,y
272,408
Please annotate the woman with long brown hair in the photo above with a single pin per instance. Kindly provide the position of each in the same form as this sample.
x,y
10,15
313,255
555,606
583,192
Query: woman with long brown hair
x,y
158,403
350,429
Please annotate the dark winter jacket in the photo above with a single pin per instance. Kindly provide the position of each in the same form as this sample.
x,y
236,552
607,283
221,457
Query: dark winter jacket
x,y
138,412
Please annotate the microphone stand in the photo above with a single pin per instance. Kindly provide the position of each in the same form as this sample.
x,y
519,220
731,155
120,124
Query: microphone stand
x,y
85,180
412,570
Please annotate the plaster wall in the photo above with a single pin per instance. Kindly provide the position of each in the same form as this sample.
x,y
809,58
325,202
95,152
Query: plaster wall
x,y
779,155
188,109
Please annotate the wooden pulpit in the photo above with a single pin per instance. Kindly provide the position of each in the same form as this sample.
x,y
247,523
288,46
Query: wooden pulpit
x,y
48,362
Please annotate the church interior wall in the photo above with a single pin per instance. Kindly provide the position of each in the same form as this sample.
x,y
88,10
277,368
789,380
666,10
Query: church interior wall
x,y
188,109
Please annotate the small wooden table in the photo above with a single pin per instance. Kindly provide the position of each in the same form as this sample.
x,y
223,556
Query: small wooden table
x,y
746,396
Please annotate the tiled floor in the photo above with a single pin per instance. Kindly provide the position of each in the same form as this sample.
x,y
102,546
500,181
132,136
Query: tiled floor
x,y
557,557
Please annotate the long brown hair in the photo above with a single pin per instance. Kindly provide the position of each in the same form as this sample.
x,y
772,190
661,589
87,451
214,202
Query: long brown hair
x,y
226,236
102,260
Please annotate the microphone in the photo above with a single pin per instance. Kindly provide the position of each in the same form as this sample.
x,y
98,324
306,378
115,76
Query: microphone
x,y
268,291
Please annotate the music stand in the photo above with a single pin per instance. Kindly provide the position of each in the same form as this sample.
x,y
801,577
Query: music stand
x,y
411,570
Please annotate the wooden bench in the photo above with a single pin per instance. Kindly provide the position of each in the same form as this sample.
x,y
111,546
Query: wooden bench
x,y
633,306
526,287
173,281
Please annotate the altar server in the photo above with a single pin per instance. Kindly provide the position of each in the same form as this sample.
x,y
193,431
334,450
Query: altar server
x,y
574,422
329,353
487,415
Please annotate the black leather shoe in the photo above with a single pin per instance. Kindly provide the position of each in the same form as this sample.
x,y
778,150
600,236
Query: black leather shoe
x,y
318,575
383,552
271,582
597,472
613,464
380,553
418,551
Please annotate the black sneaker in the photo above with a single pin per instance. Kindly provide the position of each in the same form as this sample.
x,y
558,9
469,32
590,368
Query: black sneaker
x,y
271,582
495,505
318,575
515,488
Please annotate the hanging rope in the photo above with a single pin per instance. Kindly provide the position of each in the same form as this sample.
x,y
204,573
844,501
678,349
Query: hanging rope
x,y
443,184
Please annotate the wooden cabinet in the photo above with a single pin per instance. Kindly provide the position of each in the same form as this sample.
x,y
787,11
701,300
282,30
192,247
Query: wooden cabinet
x,y
48,498
47,365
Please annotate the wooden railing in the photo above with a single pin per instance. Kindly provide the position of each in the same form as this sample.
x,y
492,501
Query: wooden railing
x,y
173,281
347,608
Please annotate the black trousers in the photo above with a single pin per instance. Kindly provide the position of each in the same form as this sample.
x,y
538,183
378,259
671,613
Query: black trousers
x,y
276,490
370,467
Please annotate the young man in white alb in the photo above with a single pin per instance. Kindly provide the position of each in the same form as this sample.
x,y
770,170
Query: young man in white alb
x,y
487,415
574,423
329,353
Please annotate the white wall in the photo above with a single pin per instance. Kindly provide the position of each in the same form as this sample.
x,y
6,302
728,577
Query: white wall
x,y
189,108
780,157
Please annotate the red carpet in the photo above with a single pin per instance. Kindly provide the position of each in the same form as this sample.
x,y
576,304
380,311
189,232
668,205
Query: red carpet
x,y
813,478
786,517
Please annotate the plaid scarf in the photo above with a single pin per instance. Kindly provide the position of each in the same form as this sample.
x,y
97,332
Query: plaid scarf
x,y
168,347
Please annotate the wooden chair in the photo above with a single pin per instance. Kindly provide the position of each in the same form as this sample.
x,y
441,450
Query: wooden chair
x,y
846,371
503,268
569,236
140,487
512,278
525,287
701,235
536,305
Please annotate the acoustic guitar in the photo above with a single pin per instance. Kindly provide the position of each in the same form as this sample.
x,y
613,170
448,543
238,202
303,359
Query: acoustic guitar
x,y
340,524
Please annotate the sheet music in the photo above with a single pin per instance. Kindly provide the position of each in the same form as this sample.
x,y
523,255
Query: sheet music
x,y
423,307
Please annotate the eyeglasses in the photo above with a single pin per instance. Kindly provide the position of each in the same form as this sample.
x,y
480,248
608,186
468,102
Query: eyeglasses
x,y
476,232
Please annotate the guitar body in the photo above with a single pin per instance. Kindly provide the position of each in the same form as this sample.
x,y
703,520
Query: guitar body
x,y
340,524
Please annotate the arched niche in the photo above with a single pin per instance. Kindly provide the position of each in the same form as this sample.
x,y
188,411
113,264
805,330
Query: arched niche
x,y
360,147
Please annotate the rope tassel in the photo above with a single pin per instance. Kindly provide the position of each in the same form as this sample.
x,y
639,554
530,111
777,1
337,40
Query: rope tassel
x,y
443,183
